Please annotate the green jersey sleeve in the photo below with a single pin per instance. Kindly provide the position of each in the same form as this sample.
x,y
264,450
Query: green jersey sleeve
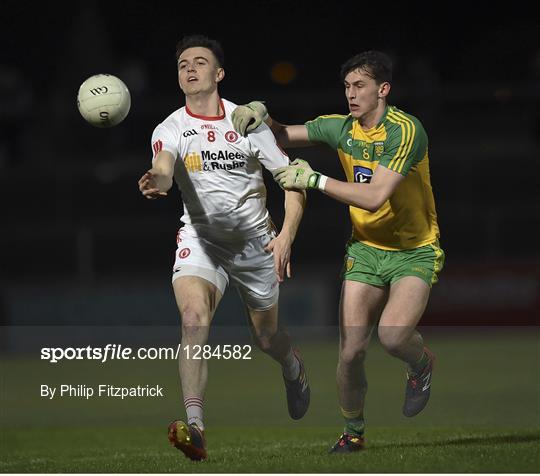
x,y
405,146
326,129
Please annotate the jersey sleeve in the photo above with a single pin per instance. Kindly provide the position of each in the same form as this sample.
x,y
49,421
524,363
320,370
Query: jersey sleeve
x,y
266,149
165,137
326,129
405,146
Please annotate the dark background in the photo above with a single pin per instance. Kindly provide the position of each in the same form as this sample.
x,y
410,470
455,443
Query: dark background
x,y
80,245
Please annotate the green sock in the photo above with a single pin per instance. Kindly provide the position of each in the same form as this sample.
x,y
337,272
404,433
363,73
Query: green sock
x,y
354,426
419,366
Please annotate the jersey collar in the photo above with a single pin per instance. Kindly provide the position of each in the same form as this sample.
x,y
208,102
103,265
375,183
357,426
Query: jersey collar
x,y
381,120
208,118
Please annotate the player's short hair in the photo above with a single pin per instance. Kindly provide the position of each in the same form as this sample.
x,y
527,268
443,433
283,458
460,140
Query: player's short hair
x,y
193,41
375,64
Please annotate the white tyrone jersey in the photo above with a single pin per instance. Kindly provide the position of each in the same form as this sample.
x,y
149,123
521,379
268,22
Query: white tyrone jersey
x,y
219,172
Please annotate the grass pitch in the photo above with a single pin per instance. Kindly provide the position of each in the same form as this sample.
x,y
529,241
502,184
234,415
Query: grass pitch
x,y
271,450
484,415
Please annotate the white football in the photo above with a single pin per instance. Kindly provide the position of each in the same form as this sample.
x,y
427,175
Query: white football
x,y
104,100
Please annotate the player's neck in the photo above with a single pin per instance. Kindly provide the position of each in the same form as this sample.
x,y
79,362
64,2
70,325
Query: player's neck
x,y
372,118
208,105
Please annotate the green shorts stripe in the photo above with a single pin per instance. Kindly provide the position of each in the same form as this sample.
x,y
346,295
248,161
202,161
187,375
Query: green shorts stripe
x,y
438,262
377,267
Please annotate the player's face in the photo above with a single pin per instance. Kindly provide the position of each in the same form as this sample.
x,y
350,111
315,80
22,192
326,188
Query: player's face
x,y
363,94
198,71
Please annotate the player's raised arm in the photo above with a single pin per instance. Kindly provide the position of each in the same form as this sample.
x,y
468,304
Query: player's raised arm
x,y
369,196
157,181
249,117
290,136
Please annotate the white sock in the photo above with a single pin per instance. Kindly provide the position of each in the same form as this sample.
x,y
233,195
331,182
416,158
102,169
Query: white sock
x,y
291,367
194,411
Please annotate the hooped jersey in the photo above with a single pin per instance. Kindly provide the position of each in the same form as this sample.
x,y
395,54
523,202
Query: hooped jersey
x,y
399,142
219,172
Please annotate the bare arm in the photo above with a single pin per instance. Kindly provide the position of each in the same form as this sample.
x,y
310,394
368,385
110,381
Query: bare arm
x,y
369,196
295,202
289,136
157,181
249,117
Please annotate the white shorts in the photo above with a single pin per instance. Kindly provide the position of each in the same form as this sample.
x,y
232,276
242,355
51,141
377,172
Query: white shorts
x,y
245,263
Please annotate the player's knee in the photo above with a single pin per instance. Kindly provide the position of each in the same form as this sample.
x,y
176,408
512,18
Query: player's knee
x,y
276,343
195,320
353,349
351,355
263,343
393,339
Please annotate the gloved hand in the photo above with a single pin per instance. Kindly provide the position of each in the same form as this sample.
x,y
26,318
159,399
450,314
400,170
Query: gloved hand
x,y
248,117
297,176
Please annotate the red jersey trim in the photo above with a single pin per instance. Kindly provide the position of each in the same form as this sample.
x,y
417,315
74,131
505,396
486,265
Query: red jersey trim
x,y
208,118
157,146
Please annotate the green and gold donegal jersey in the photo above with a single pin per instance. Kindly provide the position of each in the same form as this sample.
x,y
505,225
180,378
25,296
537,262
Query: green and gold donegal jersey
x,y
399,142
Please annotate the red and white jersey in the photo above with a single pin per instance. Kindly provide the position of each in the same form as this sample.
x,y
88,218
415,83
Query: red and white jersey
x,y
219,172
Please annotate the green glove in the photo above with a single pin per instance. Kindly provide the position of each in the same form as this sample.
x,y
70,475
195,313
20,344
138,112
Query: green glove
x,y
297,176
248,117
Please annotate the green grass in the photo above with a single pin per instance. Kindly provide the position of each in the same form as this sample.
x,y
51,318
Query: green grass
x,y
484,415
274,450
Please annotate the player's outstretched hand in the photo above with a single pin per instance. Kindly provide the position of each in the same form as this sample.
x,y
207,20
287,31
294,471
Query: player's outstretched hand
x,y
148,186
297,176
281,246
248,117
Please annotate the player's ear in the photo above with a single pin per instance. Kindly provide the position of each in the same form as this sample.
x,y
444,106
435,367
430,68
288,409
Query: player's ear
x,y
220,74
384,89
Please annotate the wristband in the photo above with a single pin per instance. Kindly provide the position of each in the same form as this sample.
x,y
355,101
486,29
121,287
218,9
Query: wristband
x,y
317,180
322,182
